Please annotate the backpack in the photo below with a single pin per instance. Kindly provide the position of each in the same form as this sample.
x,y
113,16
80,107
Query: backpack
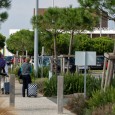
x,y
2,63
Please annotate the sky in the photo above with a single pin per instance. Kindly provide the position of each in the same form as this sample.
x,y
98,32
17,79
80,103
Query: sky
x,y
21,12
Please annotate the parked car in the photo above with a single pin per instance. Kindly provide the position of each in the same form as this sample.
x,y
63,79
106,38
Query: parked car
x,y
72,66
99,62
44,62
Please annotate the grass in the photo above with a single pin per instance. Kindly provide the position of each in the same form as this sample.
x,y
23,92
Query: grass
x,y
95,71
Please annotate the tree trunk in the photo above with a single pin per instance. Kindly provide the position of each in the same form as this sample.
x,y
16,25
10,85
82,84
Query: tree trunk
x,y
55,54
70,48
104,73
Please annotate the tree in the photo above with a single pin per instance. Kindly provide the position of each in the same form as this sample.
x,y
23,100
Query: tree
x,y
2,41
69,19
83,43
106,6
99,44
46,40
63,44
21,41
4,4
77,20
51,19
49,22
103,44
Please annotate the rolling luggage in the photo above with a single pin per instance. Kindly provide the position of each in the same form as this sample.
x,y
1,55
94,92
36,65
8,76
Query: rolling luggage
x,y
32,89
6,87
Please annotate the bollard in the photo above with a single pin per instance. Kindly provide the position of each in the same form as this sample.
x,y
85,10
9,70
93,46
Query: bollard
x,y
12,90
60,94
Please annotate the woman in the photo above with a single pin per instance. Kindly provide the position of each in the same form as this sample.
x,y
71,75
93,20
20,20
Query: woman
x,y
26,69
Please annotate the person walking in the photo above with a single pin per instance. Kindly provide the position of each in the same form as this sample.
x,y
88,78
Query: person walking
x,y
26,70
3,71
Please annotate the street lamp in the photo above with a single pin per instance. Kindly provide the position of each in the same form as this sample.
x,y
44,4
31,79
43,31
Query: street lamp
x,y
36,43
53,3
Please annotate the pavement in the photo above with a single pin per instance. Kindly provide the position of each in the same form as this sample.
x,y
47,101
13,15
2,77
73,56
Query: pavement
x,y
39,105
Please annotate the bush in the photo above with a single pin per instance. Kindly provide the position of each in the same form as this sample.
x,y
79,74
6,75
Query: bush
x,y
77,105
15,70
101,103
100,98
92,84
41,84
50,88
73,83
45,72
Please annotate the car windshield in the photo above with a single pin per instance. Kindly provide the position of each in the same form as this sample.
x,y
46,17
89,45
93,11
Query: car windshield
x,y
100,59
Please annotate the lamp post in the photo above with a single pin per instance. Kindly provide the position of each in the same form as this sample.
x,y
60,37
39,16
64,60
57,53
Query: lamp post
x,y
36,43
53,3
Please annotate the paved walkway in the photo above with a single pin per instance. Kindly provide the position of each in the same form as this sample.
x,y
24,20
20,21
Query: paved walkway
x,y
33,106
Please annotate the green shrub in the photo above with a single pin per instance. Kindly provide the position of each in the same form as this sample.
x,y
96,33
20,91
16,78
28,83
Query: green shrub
x,y
41,84
73,83
113,109
50,88
92,84
45,72
101,98
101,103
15,70
33,77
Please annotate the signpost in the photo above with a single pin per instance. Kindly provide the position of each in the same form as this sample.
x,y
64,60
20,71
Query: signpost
x,y
84,58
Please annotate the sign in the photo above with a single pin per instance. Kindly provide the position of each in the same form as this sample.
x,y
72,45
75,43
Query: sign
x,y
81,56
84,58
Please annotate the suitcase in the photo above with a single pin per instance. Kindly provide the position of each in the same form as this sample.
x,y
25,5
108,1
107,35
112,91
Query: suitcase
x,y
6,87
32,90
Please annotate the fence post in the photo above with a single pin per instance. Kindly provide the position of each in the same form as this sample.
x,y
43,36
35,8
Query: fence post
x,y
60,94
12,90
